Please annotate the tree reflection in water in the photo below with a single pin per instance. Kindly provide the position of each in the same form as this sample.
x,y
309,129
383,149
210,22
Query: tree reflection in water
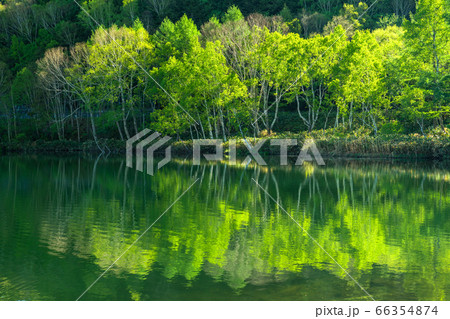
x,y
65,220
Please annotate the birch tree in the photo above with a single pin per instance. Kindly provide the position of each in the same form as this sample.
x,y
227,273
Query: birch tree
x,y
160,7
207,89
115,56
362,81
316,67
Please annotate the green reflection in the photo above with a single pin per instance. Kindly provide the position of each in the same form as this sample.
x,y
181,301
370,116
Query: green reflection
x,y
65,220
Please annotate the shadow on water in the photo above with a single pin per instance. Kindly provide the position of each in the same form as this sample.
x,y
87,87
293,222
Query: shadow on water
x,y
63,221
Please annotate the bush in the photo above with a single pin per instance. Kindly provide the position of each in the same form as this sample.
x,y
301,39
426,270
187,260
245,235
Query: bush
x,y
392,128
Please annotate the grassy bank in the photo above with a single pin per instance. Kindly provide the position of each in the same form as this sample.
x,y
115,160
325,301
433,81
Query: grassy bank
x,y
388,146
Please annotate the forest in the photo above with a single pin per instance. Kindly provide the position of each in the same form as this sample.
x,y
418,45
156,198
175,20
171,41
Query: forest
x,y
101,70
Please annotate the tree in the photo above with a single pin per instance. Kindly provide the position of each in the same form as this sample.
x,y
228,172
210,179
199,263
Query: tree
x,y
312,23
20,19
206,88
403,7
415,105
130,9
57,97
273,24
175,39
273,60
4,88
68,33
52,13
286,14
360,81
122,72
102,12
239,41
23,87
428,40
350,18
315,73
233,14
160,6
327,5
22,54
389,20
291,21
84,84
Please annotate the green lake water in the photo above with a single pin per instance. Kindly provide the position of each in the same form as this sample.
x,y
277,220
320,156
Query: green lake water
x,y
64,221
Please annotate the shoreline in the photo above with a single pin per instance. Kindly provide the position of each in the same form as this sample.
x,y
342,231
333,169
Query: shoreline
x,y
398,146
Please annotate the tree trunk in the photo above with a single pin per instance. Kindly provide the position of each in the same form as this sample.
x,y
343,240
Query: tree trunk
x,y
94,131
120,131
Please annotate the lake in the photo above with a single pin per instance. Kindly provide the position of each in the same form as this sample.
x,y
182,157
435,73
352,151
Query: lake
x,y
65,220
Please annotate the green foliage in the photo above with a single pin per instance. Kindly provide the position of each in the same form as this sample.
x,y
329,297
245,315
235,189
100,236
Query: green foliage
x,y
22,54
98,11
392,127
233,14
23,86
242,239
323,64
286,13
350,18
427,36
175,39
130,9
387,21
206,89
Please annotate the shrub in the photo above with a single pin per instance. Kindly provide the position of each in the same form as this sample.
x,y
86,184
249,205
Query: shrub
x,y
392,128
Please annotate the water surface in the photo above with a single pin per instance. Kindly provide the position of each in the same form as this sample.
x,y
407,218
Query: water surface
x,y
63,221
